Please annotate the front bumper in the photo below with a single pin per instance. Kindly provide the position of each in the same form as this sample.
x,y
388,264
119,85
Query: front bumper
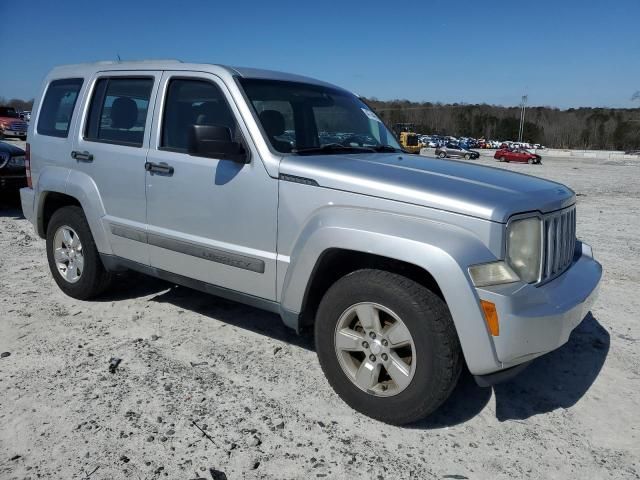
x,y
14,133
535,320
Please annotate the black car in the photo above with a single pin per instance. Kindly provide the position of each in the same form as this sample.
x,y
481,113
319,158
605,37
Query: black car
x,y
13,175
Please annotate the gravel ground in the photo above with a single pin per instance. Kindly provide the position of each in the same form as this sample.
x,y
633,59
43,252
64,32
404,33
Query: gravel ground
x,y
193,363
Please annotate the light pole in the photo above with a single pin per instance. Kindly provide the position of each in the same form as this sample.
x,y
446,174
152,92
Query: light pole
x,y
523,107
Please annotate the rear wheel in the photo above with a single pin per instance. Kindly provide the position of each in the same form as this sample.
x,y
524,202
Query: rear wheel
x,y
387,345
73,258
23,138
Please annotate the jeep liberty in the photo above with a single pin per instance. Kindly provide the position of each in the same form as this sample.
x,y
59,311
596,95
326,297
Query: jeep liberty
x,y
291,195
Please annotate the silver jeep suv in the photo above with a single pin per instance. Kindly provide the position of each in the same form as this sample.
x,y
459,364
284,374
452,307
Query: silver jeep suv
x,y
289,194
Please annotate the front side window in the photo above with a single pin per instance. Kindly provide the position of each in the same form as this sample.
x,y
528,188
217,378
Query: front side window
x,y
118,111
310,119
57,107
193,102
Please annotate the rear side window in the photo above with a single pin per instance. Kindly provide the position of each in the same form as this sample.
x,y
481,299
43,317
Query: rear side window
x,y
193,102
118,111
57,107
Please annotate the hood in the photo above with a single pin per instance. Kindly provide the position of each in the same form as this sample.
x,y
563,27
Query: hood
x,y
476,190
11,149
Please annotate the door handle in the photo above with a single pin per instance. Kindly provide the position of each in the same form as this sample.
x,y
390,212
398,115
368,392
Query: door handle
x,y
82,156
161,168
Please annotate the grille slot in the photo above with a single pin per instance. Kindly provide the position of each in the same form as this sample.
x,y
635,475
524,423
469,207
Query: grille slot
x,y
19,126
559,242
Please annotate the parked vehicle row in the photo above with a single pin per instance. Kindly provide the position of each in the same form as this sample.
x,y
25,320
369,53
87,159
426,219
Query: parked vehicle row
x,y
435,141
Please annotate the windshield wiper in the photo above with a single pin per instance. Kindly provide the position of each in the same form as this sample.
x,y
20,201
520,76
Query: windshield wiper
x,y
331,148
385,148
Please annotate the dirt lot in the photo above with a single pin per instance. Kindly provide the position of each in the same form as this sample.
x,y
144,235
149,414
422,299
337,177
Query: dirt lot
x,y
257,389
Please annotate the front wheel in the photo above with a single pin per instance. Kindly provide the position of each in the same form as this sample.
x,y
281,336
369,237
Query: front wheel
x,y
442,155
73,258
387,345
467,156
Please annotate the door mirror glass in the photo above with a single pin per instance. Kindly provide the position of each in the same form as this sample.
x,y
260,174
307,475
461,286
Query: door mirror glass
x,y
215,141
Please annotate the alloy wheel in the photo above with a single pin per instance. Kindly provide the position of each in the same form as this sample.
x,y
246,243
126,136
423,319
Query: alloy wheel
x,y
68,254
375,349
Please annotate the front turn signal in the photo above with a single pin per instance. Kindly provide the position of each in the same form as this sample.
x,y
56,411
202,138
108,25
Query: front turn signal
x,y
491,317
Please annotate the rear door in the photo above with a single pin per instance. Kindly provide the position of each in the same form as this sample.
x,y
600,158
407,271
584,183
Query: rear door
x,y
208,219
112,147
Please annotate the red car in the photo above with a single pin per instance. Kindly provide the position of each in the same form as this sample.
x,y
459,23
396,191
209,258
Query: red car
x,y
517,155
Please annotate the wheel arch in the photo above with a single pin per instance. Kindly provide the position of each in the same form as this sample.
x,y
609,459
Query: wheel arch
x,y
335,263
59,187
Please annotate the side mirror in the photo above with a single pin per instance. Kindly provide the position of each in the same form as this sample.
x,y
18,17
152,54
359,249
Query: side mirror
x,y
215,141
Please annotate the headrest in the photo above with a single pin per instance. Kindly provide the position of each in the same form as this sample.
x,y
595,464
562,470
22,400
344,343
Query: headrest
x,y
124,113
272,122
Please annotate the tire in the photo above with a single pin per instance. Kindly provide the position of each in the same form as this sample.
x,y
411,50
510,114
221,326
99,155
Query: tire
x,y
93,279
531,161
467,156
437,360
442,155
23,138
504,159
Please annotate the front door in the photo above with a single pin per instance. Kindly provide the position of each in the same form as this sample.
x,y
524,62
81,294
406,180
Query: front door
x,y
208,219
111,149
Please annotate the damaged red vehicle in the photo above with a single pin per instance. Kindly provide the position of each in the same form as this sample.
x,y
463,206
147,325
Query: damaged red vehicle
x,y
517,155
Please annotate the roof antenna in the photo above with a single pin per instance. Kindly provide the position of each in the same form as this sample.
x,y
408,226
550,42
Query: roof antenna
x,y
119,59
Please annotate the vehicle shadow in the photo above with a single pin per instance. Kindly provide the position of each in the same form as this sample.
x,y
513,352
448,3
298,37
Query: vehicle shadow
x,y
133,285
559,379
556,380
10,205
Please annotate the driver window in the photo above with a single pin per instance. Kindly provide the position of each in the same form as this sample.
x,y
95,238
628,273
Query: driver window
x,y
193,102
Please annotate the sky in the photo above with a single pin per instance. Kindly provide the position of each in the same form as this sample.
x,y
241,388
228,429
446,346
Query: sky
x,y
561,53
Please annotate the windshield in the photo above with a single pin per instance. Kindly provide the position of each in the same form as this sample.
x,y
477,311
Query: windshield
x,y
9,112
310,119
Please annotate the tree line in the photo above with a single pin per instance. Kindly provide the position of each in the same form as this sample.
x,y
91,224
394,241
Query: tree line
x,y
17,103
580,128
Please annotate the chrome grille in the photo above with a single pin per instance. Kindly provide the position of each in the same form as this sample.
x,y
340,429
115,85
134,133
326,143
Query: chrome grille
x,y
559,242
19,126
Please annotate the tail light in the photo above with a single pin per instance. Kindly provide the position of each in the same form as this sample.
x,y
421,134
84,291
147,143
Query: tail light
x,y
27,165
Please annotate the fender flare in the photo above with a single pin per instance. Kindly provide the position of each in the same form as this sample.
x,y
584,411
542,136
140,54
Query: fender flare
x,y
444,251
79,186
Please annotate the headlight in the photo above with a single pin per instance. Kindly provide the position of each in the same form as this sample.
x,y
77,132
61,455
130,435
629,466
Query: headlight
x,y
4,158
16,162
524,248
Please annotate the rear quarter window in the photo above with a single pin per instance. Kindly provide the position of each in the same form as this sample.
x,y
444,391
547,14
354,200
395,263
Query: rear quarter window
x,y
57,107
118,110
